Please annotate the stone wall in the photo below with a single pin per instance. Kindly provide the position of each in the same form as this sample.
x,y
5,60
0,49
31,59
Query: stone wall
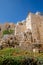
x,y
20,27
6,26
35,21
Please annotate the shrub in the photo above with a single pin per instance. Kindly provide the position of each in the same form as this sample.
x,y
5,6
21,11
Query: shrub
x,y
31,61
8,32
10,60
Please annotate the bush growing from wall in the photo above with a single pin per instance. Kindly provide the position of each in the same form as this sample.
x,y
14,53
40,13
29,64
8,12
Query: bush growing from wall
x,y
8,32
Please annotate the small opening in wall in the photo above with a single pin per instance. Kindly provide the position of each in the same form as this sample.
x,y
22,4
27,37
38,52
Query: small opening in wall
x,y
0,29
9,26
34,40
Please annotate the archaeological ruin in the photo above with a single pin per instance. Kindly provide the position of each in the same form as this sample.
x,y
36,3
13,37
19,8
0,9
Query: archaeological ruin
x,y
26,34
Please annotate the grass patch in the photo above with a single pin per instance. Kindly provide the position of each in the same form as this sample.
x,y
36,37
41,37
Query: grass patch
x,y
18,52
16,56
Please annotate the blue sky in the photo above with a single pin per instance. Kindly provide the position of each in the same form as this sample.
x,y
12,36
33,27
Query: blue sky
x,y
17,10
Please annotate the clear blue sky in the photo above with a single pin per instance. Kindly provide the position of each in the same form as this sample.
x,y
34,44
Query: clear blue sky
x,y
17,10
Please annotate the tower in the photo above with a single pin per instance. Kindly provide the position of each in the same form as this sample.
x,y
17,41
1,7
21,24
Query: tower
x,y
35,23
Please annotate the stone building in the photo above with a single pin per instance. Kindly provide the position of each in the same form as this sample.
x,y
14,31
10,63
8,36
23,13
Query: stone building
x,y
35,23
1,29
6,26
20,27
27,40
27,31
9,26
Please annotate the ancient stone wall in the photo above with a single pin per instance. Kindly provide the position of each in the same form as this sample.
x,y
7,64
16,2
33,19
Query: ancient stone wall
x,y
20,27
36,23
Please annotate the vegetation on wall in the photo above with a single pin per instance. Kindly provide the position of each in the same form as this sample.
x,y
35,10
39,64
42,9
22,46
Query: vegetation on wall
x,y
8,32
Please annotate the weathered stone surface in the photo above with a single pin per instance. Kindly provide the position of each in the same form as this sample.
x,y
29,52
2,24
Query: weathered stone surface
x,y
25,32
